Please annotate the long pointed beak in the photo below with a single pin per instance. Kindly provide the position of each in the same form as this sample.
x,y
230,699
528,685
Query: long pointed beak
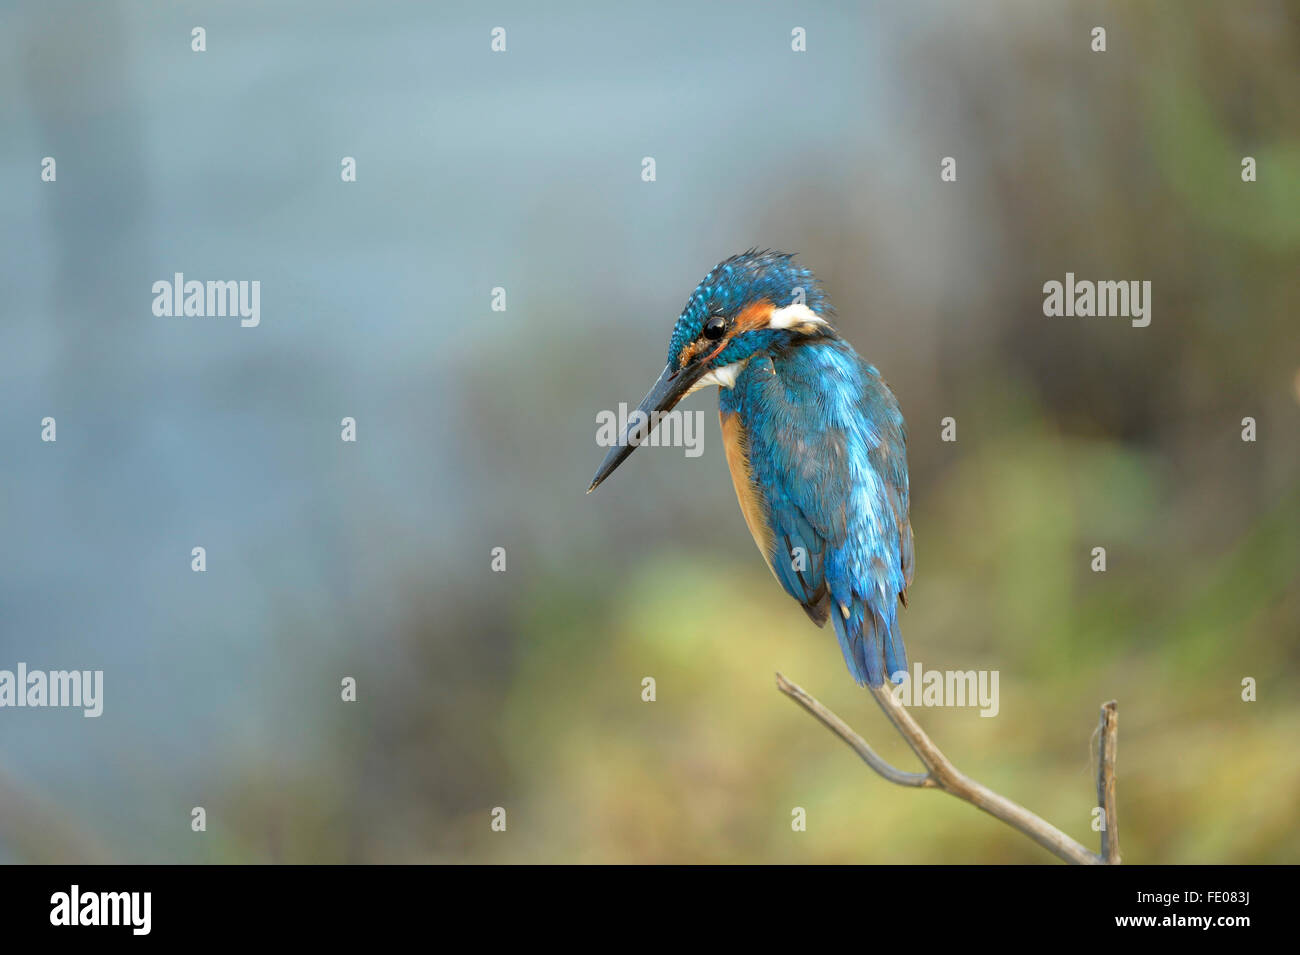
x,y
663,395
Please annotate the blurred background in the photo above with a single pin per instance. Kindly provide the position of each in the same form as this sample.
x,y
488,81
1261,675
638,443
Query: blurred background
x,y
476,428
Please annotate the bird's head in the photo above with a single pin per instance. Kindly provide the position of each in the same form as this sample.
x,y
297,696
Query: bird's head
x,y
749,303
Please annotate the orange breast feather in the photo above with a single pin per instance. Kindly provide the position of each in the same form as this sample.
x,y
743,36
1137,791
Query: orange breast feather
x,y
752,504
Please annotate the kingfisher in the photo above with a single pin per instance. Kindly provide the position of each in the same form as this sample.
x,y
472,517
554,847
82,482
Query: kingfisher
x,y
815,442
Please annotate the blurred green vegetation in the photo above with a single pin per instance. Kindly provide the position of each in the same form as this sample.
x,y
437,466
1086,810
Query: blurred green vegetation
x,y
711,770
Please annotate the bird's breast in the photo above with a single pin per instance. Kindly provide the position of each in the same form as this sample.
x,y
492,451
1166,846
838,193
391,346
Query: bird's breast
x,y
735,441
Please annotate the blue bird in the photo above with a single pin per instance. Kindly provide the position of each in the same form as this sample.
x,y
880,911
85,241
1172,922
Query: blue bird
x,y
815,442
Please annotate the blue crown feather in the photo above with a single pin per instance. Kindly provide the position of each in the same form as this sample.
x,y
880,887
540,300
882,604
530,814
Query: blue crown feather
x,y
752,276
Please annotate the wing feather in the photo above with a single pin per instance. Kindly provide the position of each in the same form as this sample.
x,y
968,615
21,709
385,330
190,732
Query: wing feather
x,y
825,459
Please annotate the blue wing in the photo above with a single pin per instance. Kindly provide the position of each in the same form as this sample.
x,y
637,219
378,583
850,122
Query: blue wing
x,y
824,450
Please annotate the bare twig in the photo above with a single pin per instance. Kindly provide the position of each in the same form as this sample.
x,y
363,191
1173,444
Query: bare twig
x,y
942,774
1109,733
845,732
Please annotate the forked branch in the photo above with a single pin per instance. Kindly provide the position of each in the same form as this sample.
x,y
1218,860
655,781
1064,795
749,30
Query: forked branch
x,y
940,773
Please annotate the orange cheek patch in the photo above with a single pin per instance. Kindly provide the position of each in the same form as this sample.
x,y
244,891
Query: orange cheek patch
x,y
754,317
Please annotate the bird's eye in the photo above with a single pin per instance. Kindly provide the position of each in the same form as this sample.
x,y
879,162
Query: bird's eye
x,y
715,327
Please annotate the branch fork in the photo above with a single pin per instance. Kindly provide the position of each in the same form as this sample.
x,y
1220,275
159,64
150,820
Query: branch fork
x,y
941,774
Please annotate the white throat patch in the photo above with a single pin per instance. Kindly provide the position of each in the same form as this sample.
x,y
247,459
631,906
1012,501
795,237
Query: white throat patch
x,y
724,377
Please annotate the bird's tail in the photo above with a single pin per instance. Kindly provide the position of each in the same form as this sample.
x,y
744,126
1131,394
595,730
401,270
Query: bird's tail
x,y
871,641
